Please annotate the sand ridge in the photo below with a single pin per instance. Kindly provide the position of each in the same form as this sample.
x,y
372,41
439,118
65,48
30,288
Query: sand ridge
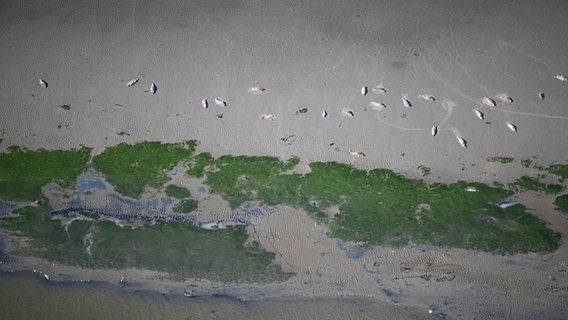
x,y
316,55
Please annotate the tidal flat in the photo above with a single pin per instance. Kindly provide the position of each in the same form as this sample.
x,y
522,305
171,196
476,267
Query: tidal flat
x,y
374,207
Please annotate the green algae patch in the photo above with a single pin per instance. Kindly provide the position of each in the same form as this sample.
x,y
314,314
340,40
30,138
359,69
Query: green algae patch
x,y
132,167
185,206
561,170
48,238
243,179
185,250
177,192
425,170
532,184
442,215
381,207
197,164
526,162
561,203
501,159
376,207
182,249
24,172
329,184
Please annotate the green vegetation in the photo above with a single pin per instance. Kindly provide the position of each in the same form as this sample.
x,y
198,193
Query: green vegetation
x,y
377,207
399,212
220,116
130,168
242,179
526,162
185,250
179,248
425,170
197,164
24,172
498,184
65,107
561,203
123,133
50,239
185,206
501,159
90,215
382,207
560,170
528,183
177,192
329,184
303,110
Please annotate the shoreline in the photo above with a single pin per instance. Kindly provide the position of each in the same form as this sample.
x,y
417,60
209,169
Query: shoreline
x,y
411,277
143,304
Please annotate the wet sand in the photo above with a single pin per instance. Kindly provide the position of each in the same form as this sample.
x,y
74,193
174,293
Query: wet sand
x,y
30,296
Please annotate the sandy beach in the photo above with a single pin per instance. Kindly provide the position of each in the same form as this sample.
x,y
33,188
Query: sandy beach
x,y
443,57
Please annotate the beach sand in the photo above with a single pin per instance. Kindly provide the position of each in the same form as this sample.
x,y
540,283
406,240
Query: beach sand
x,y
315,55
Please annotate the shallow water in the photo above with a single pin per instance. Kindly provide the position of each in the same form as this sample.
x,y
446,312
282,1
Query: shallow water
x,y
27,295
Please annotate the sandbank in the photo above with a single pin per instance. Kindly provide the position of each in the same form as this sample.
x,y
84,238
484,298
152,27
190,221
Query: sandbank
x,y
315,55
